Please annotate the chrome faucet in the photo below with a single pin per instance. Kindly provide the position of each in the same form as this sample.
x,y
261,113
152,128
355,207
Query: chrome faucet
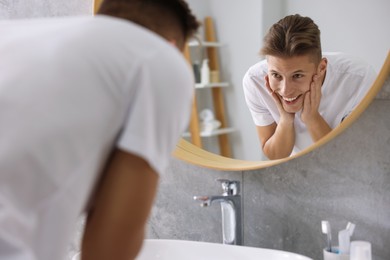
x,y
230,201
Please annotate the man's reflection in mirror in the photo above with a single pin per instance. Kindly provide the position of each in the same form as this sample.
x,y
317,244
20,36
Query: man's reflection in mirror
x,y
298,94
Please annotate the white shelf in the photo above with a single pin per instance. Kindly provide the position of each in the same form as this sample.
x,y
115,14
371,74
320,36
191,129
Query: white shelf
x,y
216,132
212,85
205,44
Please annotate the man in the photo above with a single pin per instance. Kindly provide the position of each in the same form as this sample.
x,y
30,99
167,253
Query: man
x,y
90,110
297,95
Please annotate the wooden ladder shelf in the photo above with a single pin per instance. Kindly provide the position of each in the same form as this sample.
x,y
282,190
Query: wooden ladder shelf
x,y
217,95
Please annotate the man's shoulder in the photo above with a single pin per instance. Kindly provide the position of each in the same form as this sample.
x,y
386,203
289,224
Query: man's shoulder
x,y
259,69
344,63
135,43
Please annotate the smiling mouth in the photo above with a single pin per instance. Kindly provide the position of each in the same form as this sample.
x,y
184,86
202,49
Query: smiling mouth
x,y
290,100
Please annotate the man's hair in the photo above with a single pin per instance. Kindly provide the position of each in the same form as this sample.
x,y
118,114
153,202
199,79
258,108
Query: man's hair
x,y
293,35
160,16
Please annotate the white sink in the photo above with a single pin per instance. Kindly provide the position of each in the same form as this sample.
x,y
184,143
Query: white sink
x,y
161,249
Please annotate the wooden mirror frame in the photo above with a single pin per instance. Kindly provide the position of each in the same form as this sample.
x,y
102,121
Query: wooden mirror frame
x,y
194,155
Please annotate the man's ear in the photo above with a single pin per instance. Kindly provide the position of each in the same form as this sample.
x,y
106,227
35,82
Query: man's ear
x,y
322,66
177,44
173,42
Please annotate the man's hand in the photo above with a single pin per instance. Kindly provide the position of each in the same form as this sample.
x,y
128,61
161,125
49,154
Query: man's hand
x,y
284,116
277,140
311,102
315,123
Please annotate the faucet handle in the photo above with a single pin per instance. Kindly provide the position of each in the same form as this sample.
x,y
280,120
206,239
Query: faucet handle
x,y
229,187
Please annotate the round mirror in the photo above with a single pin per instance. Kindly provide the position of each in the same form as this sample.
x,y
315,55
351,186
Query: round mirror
x,y
240,28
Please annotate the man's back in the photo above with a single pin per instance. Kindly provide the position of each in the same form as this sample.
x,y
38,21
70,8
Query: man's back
x,y
71,90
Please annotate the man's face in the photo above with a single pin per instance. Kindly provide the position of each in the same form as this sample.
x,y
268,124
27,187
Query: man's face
x,y
290,79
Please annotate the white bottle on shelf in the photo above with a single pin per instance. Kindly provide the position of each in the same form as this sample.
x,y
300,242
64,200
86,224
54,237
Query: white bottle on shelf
x,y
205,73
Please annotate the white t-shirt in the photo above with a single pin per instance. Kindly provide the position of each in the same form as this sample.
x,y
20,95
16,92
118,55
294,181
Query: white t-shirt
x,y
346,83
71,90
